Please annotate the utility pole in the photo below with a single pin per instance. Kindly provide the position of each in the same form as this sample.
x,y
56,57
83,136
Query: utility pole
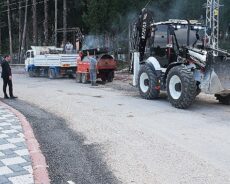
x,y
19,29
35,31
64,21
9,27
46,22
56,23
19,23
24,32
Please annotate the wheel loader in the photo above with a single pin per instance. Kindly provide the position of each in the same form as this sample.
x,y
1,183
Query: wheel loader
x,y
172,56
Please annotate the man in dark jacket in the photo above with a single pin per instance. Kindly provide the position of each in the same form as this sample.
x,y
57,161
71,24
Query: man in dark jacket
x,y
7,77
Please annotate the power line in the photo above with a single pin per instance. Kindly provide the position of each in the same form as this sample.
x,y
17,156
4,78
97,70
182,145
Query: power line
x,y
5,3
40,2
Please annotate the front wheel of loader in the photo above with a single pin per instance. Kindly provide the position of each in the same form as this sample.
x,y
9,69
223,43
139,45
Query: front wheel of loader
x,y
148,83
181,87
224,99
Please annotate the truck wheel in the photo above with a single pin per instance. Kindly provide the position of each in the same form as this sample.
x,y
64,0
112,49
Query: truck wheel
x,y
31,73
78,78
37,73
51,74
71,76
224,99
147,83
84,78
181,87
110,76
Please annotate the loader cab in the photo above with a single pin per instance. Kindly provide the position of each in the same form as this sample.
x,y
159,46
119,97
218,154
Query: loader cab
x,y
168,37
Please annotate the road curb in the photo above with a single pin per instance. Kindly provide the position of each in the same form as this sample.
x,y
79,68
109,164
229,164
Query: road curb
x,y
39,165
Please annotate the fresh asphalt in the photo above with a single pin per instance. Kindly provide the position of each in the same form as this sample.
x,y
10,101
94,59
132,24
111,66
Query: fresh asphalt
x,y
69,159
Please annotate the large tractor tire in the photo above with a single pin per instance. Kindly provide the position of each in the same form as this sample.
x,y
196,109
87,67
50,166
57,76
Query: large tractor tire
x,y
51,74
78,78
84,78
148,83
224,99
181,87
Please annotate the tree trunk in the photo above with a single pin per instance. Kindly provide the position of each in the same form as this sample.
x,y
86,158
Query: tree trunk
x,y
9,26
46,22
0,40
35,31
56,23
24,32
19,29
64,21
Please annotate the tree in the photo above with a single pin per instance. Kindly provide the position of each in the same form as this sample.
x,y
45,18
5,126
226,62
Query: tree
x,y
64,21
35,31
9,27
19,29
46,23
24,31
55,29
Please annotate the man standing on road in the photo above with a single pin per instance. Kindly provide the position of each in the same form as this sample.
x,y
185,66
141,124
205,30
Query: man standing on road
x,y
92,69
7,77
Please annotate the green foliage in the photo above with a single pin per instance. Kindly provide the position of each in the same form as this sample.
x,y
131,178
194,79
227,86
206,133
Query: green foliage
x,y
108,16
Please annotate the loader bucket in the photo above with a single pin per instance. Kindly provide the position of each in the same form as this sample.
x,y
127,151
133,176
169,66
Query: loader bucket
x,y
217,75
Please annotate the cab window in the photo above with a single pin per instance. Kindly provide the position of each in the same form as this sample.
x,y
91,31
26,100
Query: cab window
x,y
28,55
32,54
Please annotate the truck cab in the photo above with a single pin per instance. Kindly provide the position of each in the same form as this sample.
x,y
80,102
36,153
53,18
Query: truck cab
x,y
29,57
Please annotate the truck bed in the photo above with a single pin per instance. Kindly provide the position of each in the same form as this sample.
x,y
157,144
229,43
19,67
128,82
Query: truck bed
x,y
58,60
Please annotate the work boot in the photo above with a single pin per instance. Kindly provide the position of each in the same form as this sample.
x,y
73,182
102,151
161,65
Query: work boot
x,y
6,97
94,84
13,97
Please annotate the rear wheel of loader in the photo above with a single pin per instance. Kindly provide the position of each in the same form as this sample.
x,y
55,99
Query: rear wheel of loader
x,y
224,99
181,87
148,83
78,78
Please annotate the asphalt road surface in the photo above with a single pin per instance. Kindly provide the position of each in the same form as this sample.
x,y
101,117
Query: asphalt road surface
x,y
108,134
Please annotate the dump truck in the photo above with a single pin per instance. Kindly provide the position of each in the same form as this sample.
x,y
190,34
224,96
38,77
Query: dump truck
x,y
174,56
50,61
